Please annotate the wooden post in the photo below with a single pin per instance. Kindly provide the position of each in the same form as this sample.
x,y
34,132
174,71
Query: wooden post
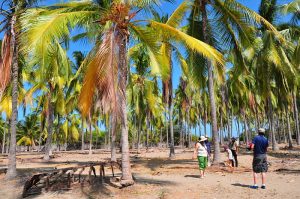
x,y
79,175
101,174
69,180
90,178
47,183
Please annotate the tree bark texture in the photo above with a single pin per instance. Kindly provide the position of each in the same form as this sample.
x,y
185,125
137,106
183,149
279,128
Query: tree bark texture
x,y
11,170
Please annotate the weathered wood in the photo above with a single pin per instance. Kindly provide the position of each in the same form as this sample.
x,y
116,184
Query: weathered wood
x,y
65,175
79,177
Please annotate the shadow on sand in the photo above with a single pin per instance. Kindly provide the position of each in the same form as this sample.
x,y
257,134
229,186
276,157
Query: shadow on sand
x,y
241,185
192,176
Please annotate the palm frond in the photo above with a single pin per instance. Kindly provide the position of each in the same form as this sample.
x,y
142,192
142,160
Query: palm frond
x,y
177,16
5,63
190,42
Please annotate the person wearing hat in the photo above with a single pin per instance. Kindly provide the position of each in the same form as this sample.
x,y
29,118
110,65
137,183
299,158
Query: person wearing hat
x,y
201,153
234,146
259,164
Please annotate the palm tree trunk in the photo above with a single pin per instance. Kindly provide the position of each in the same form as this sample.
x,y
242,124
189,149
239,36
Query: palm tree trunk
x,y
238,128
289,129
245,129
82,134
11,170
172,149
160,137
40,141
3,141
271,118
139,134
91,136
147,131
221,129
205,122
113,127
7,142
50,118
283,128
167,126
188,128
296,118
126,168
217,155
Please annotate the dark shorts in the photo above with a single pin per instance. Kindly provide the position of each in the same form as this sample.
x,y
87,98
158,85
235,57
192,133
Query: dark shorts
x,y
260,164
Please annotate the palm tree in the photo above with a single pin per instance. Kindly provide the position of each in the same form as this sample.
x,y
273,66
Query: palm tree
x,y
231,29
9,62
28,131
108,68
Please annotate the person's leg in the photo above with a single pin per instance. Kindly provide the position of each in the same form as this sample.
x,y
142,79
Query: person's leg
x,y
235,157
263,180
254,178
201,173
205,165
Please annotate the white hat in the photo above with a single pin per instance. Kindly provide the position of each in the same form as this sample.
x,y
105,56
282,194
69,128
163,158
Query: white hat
x,y
202,138
261,130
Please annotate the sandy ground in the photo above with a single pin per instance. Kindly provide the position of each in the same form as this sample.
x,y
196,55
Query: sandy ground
x,y
157,176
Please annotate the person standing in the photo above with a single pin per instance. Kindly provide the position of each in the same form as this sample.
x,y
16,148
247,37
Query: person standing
x,y
230,158
260,145
233,145
201,153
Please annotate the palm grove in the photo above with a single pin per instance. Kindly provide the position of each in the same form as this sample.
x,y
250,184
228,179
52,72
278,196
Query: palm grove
x,y
238,68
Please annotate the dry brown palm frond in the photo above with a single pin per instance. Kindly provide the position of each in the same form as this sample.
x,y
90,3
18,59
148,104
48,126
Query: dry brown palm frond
x,y
5,62
102,75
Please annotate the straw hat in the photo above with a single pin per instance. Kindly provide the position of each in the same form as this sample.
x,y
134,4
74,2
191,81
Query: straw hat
x,y
202,139
261,130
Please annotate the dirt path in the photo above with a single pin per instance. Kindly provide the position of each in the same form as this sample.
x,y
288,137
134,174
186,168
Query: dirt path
x,y
159,177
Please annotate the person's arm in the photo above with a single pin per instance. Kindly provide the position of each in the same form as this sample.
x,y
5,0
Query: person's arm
x,y
252,145
237,147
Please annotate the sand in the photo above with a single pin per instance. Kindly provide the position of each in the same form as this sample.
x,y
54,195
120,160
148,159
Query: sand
x,y
157,176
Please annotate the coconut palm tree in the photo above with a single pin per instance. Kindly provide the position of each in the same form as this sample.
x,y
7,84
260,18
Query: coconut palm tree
x,y
231,29
28,131
11,10
108,68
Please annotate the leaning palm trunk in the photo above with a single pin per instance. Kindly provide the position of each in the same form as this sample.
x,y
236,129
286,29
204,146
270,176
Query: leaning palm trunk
x,y
11,170
217,158
50,118
126,170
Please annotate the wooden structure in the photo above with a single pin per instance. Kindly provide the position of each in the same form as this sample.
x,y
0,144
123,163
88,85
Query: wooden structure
x,y
63,178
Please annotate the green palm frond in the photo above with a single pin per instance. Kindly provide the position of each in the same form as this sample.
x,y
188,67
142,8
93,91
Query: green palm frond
x,y
190,42
177,16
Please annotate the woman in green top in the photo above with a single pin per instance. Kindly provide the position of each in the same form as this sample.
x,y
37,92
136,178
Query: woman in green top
x,y
201,153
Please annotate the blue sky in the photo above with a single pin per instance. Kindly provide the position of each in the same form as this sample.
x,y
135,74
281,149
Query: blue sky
x,y
165,8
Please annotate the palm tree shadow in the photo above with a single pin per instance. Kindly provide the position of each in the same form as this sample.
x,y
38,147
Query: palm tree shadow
x,y
241,185
192,176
